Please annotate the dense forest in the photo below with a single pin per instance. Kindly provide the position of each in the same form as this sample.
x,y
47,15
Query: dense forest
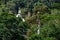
x,y
36,20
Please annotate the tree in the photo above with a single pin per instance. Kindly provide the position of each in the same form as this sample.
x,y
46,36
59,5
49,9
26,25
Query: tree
x,y
12,28
41,8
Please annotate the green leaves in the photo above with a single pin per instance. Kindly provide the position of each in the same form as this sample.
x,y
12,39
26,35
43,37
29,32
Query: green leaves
x,y
49,38
56,5
10,26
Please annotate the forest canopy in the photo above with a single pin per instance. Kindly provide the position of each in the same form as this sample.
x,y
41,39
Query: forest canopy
x,y
42,20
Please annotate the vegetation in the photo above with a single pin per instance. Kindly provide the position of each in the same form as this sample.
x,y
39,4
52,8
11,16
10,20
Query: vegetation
x,y
45,13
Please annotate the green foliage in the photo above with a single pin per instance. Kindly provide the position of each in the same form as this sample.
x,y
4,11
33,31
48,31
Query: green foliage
x,y
12,28
49,29
35,37
49,38
41,8
56,5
